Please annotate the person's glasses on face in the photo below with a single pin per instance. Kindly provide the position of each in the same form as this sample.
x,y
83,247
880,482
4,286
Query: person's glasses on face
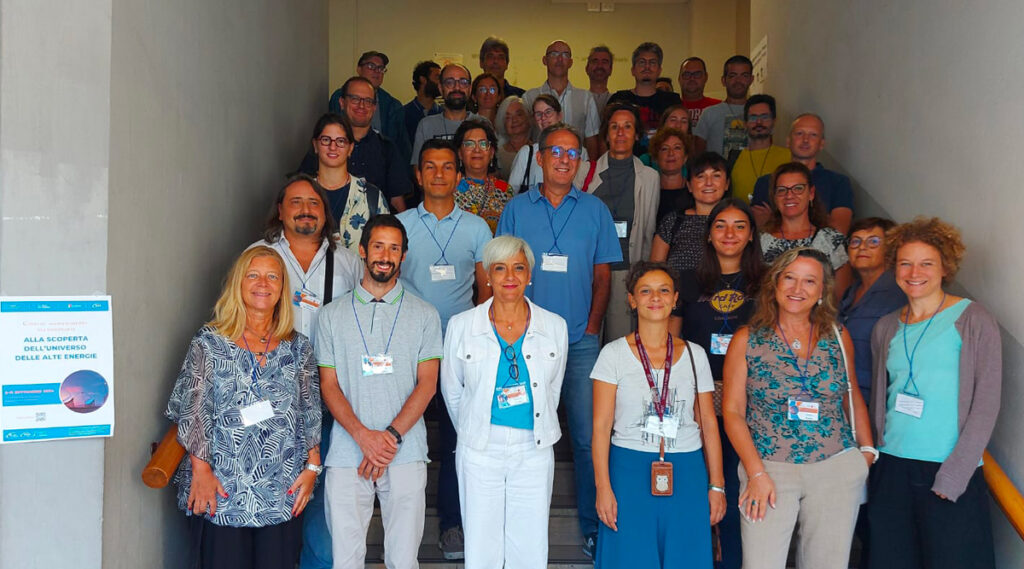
x,y
451,82
481,144
757,118
485,90
573,154
872,242
796,190
357,101
561,54
692,74
375,68
340,142
647,63
545,114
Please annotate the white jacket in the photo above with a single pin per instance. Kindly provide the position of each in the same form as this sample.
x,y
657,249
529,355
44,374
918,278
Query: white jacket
x,y
470,366
646,195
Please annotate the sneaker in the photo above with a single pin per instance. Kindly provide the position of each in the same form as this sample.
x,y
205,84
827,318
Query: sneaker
x,y
590,545
452,544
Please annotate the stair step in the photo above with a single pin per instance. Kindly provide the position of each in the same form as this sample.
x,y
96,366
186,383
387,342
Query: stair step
x,y
559,557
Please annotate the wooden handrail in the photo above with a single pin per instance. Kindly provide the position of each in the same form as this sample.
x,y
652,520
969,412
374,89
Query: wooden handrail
x,y
1005,493
165,460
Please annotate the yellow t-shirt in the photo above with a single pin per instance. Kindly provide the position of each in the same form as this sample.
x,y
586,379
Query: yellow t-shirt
x,y
752,164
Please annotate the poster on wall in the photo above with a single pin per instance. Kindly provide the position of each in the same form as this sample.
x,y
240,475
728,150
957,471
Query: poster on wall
x,y
759,57
57,357
443,58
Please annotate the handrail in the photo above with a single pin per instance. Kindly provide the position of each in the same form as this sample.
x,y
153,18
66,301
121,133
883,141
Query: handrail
x,y
1004,492
164,462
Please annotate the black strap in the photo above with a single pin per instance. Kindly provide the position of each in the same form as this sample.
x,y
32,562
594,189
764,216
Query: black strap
x,y
372,199
329,276
525,186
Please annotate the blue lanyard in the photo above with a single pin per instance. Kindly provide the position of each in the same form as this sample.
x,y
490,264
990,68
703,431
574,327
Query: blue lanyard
x,y
312,271
255,365
910,353
438,243
387,348
551,223
805,372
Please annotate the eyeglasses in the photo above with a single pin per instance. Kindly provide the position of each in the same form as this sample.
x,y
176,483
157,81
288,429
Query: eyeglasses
x,y
692,74
357,101
487,90
481,144
340,142
375,68
513,364
451,82
871,242
647,63
544,114
557,152
763,117
562,54
796,190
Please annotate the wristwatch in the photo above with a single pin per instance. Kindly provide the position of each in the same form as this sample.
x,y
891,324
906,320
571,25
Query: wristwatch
x,y
872,450
317,468
394,432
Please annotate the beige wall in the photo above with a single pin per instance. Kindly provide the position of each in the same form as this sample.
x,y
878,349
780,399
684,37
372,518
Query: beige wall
x,y
412,31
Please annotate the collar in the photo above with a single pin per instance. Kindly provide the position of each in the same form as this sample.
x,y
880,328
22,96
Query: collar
x,y
481,324
285,248
391,297
423,109
535,194
371,136
455,214
546,88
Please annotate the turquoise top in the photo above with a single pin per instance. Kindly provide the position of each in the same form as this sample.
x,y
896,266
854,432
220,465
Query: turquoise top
x,y
515,416
937,380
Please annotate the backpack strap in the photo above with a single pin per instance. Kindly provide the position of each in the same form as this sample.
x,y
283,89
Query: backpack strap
x,y
526,179
329,275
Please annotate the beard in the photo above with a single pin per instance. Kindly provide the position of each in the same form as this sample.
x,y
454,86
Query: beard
x,y
381,277
432,89
455,103
306,225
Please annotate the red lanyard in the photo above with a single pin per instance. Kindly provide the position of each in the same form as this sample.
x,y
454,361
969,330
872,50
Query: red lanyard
x,y
659,402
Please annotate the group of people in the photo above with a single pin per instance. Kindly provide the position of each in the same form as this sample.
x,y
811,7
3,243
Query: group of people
x,y
731,349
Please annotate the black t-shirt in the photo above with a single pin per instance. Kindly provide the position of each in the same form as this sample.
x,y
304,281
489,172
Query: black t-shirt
x,y
651,108
717,314
375,158
674,200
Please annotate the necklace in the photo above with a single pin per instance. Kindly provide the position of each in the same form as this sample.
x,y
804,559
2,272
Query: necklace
x,y
510,323
760,171
262,339
810,231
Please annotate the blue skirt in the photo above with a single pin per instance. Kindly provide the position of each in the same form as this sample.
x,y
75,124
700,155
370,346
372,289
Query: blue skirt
x,y
656,531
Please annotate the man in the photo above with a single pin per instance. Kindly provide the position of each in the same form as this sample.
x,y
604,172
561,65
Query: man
x,y
664,84
455,85
573,235
599,69
494,59
647,58
806,140
378,349
760,157
721,128
578,108
388,117
693,76
426,80
445,261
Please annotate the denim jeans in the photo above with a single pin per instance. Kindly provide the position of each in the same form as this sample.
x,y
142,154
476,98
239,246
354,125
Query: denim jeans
x,y
316,539
578,399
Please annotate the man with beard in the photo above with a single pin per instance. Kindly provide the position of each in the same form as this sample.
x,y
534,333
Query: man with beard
x,y
693,75
426,77
376,384
494,59
647,58
455,84
721,127
599,69
760,157
578,108
388,116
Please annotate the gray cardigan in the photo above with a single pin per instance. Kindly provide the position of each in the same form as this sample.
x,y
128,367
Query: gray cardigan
x,y
981,377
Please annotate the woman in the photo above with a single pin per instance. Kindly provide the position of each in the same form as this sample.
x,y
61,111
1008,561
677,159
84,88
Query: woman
x,y
652,402
486,93
513,124
935,399
675,117
681,234
501,378
526,172
480,192
247,405
798,220
788,406
670,148
353,199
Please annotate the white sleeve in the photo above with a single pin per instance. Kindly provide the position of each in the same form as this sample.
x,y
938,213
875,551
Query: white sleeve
x,y
705,381
606,368
452,372
518,172
593,119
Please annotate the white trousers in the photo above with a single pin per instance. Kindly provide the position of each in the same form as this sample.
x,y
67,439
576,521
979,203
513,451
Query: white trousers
x,y
348,501
505,492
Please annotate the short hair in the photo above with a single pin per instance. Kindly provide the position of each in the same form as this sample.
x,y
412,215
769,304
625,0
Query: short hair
x,y
499,118
460,135
766,311
662,136
705,160
941,235
613,108
505,247
648,47
866,223
602,49
368,54
454,65
734,60
274,227
339,119
422,69
813,115
640,268
229,311
494,43
703,65
815,211
664,80
549,100
559,126
436,144
350,80
709,269
759,99
481,77
383,220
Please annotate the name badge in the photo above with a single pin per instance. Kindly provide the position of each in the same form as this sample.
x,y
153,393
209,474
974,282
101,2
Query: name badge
x,y
621,229
667,427
442,272
803,410
909,405
554,263
306,299
379,364
720,343
513,396
256,413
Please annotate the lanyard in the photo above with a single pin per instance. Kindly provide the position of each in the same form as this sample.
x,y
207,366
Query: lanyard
x,y
759,172
910,383
296,267
256,365
805,372
551,223
438,243
658,401
387,347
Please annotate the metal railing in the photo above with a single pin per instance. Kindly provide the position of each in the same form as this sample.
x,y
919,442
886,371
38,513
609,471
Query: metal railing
x,y
1005,493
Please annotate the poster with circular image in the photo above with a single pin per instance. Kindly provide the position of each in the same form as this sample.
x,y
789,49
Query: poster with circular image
x,y
84,391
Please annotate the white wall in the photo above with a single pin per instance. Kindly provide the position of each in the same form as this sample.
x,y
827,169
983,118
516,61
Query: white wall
x,y
921,105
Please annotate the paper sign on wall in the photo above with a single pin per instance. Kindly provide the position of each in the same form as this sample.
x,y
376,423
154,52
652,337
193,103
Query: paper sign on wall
x,y
57,357
759,57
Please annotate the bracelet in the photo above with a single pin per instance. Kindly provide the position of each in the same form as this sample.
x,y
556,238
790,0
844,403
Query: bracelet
x,y
718,489
762,473
394,432
872,450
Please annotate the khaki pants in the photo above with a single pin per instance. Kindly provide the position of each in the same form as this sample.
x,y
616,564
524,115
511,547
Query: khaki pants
x,y
618,319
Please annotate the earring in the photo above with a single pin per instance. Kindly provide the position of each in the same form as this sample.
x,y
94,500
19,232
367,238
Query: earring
x,y
819,302
488,283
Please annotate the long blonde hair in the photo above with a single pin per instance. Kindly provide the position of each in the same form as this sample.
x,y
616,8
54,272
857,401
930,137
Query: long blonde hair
x,y
822,315
229,312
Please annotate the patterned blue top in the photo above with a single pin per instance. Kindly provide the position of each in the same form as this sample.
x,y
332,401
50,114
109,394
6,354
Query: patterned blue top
x,y
255,464
772,379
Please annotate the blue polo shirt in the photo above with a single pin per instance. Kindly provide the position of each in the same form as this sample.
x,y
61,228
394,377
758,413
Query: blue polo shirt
x,y
457,239
832,188
585,233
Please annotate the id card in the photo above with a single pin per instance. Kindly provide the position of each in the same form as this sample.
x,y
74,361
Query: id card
x,y
661,478
622,229
803,410
442,272
909,405
256,413
667,427
720,343
513,396
306,299
554,263
379,364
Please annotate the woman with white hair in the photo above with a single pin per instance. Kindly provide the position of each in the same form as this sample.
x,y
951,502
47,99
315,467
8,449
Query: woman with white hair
x,y
513,126
501,377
